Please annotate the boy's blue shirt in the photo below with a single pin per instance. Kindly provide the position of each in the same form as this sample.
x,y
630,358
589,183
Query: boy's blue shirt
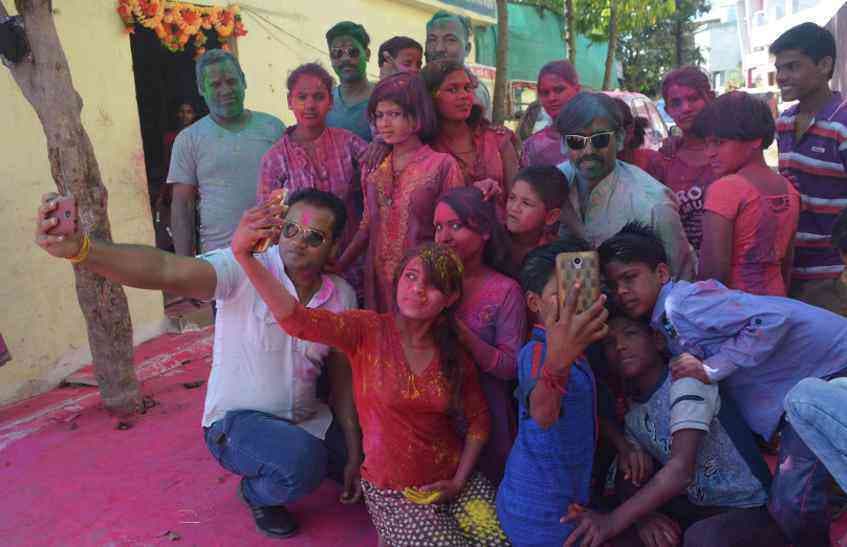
x,y
758,346
548,469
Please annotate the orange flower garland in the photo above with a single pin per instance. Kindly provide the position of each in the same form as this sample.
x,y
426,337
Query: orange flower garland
x,y
177,23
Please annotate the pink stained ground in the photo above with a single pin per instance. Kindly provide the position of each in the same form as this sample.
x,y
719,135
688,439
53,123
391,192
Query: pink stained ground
x,y
69,477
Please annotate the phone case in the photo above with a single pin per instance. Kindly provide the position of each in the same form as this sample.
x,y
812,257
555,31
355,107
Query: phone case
x,y
584,268
277,197
66,213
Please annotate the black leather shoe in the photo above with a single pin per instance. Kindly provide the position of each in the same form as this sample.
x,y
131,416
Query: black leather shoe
x,y
274,520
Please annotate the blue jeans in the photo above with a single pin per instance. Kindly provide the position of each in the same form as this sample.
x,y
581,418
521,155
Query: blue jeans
x,y
816,409
799,502
279,461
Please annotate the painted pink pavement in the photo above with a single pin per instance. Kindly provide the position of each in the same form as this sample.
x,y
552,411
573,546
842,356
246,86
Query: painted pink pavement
x,y
69,477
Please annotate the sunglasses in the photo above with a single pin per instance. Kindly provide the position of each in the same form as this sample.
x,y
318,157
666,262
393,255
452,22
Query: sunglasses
x,y
313,238
598,140
338,52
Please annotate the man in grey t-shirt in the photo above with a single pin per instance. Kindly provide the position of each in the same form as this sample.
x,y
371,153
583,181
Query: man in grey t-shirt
x,y
217,158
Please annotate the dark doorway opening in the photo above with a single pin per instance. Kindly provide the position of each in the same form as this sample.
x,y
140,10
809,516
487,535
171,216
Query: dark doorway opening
x,y
163,81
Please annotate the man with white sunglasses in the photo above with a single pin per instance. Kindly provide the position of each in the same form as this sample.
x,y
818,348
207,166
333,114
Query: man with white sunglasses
x,y
262,420
608,193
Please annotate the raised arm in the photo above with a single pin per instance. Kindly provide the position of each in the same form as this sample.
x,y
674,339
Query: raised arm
x,y
137,266
568,334
341,331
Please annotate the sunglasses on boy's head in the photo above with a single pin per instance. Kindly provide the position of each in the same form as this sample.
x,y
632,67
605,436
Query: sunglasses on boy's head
x,y
338,52
313,238
598,140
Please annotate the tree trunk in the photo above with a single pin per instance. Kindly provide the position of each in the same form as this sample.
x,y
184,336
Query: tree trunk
x,y
679,39
613,43
501,78
45,80
570,31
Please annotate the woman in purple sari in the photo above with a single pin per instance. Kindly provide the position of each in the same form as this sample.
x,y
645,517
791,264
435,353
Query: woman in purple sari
x,y
491,316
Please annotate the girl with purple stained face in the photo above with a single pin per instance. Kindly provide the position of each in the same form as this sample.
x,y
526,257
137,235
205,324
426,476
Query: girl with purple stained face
x,y
491,317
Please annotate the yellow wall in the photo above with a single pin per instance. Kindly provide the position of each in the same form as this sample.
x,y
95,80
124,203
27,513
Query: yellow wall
x,y
41,321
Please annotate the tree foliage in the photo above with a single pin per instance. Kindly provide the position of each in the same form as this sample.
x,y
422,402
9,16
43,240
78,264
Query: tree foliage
x,y
650,53
609,20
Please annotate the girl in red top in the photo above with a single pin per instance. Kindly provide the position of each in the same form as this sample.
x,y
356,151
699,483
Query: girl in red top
x,y
486,154
682,165
410,382
751,211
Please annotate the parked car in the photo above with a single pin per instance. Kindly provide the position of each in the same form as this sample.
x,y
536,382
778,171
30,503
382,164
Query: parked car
x,y
642,107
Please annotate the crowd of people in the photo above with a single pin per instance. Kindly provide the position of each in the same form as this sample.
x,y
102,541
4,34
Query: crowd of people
x,y
406,337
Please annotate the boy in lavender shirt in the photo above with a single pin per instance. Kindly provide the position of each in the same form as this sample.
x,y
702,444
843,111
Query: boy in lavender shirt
x,y
759,347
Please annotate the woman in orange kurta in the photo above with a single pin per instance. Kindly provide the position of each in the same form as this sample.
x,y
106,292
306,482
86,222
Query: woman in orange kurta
x,y
400,193
410,383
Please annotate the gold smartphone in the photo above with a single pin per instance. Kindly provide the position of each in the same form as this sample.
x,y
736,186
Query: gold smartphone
x,y
277,197
583,268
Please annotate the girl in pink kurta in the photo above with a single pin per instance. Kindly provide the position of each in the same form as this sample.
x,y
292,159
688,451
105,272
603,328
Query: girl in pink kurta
x,y
312,155
486,154
491,318
400,194
558,82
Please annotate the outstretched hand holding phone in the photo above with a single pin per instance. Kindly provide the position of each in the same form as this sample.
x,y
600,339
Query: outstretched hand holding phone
x,y
57,235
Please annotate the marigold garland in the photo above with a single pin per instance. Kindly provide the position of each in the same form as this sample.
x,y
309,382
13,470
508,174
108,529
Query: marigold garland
x,y
177,23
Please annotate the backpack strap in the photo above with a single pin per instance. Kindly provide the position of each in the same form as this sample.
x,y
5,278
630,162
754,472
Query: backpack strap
x,y
742,437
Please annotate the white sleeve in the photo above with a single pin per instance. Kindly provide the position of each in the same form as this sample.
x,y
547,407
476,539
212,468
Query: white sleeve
x,y
228,271
693,405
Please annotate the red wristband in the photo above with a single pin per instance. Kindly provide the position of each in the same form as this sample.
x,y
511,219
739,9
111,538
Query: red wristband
x,y
555,382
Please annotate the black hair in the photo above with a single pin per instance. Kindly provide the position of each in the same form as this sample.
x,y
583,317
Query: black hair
x,y
435,72
351,29
540,264
636,242
481,217
548,182
839,232
312,69
323,200
394,46
810,39
736,116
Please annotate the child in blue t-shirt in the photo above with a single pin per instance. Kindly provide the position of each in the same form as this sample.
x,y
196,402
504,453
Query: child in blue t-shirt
x,y
549,467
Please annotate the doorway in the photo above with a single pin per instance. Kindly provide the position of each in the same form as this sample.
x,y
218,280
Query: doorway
x,y
163,81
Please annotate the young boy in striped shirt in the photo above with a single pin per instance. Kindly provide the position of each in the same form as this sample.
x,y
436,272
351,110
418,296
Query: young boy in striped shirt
x,y
812,140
